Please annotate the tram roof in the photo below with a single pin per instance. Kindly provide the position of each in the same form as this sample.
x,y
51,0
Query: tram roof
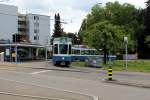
x,y
76,48
80,48
62,40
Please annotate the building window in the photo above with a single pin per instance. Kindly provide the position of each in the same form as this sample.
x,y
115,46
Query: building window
x,y
36,37
36,24
36,17
36,31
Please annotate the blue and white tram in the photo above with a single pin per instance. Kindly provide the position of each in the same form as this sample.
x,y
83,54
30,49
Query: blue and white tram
x,y
81,54
62,51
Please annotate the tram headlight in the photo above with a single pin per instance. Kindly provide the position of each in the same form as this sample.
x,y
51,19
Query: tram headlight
x,y
63,58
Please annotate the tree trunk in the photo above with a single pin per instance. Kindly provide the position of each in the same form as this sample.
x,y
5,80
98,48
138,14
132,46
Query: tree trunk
x,y
105,55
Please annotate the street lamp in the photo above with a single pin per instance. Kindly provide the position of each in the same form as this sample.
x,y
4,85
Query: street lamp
x,y
126,50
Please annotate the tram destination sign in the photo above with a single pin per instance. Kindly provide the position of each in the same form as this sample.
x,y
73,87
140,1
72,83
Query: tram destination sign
x,y
63,39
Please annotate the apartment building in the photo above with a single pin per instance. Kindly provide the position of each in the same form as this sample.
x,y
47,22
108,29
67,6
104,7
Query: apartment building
x,y
23,27
38,28
34,28
8,22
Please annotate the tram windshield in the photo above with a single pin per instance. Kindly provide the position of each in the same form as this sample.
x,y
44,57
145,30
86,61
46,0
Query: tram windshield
x,y
64,49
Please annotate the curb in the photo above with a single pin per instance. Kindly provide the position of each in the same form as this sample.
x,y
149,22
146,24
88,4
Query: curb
x,y
127,83
44,68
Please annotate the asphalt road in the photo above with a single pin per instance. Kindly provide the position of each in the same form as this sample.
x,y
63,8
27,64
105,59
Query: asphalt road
x,y
77,85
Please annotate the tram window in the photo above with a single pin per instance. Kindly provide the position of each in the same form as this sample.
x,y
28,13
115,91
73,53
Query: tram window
x,y
75,51
56,49
78,52
89,52
92,52
63,49
69,49
83,52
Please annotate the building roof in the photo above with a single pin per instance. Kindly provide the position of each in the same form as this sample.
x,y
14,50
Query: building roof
x,y
23,45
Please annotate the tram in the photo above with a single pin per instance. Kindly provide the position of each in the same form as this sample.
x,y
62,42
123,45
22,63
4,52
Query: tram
x,y
62,51
82,54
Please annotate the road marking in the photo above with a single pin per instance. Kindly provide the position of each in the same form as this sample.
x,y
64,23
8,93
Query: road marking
x,y
43,71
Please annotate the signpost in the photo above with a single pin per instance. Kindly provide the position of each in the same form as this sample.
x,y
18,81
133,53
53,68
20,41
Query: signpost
x,y
126,50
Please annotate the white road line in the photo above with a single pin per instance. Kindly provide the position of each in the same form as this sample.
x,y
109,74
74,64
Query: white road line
x,y
43,71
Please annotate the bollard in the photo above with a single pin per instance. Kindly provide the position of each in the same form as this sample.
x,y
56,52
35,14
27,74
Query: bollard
x,y
110,73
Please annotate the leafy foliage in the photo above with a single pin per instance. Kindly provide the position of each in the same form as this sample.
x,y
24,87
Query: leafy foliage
x,y
105,36
58,31
107,25
144,38
73,37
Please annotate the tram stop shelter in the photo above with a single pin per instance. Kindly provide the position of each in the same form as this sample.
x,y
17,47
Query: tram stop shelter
x,y
16,52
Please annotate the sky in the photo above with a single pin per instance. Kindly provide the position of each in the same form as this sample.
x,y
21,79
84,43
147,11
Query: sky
x,y
71,11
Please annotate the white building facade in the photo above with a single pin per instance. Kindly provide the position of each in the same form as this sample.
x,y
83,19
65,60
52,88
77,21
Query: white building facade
x,y
35,26
38,28
8,21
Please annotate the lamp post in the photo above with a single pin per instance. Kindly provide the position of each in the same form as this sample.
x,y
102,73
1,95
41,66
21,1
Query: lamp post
x,y
16,49
126,50
46,48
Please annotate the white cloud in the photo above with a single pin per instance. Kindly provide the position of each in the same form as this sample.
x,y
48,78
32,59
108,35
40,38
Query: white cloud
x,y
74,10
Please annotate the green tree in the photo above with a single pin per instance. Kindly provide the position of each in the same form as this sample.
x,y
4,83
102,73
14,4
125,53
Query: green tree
x,y
146,36
125,16
57,26
105,36
73,37
58,31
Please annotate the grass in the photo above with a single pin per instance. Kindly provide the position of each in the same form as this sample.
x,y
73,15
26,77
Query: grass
x,y
119,65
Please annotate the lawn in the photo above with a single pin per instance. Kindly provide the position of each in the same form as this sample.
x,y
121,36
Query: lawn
x,y
119,65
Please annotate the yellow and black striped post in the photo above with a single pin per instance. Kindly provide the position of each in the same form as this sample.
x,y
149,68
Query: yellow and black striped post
x,y
110,73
